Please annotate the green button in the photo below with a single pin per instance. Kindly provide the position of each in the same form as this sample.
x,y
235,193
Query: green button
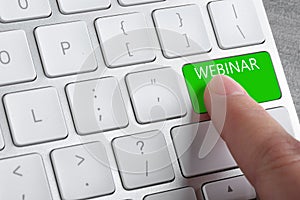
x,y
255,72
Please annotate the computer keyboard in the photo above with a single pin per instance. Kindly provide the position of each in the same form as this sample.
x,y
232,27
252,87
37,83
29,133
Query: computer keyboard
x,y
103,99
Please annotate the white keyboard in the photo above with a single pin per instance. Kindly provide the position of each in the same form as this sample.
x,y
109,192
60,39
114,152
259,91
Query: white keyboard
x,y
96,102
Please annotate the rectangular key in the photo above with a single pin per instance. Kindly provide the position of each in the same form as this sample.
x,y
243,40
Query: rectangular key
x,y
179,24
18,10
16,63
143,159
100,101
35,116
200,149
66,49
155,95
179,194
125,40
83,171
24,178
71,6
255,72
229,189
236,23
136,2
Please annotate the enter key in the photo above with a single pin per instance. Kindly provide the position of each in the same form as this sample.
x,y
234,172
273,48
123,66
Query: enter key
x,y
255,72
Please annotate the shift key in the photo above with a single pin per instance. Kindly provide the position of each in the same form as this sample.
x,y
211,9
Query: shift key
x,y
255,72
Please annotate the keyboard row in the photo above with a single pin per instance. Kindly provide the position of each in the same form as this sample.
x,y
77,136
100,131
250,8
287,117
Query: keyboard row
x,y
125,40
19,10
96,106
83,171
143,160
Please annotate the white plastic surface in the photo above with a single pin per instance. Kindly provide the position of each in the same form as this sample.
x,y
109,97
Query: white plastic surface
x,y
83,171
24,178
16,63
236,23
180,33
97,106
66,49
35,116
125,39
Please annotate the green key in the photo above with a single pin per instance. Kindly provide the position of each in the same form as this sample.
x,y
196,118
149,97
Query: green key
x,y
255,72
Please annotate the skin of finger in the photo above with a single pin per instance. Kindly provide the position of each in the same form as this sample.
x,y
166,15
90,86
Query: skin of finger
x,y
259,144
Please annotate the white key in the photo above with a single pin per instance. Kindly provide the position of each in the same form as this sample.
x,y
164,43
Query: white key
x,y
202,144
143,159
1,140
179,24
24,178
71,6
100,101
281,115
16,10
83,171
66,49
200,149
16,63
125,40
229,189
38,114
236,23
155,95
136,2
179,194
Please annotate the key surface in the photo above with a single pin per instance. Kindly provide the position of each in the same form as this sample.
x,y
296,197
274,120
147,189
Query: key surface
x,y
83,171
179,24
35,116
16,63
155,95
229,189
125,40
24,178
200,149
18,10
236,23
66,49
101,102
202,144
143,160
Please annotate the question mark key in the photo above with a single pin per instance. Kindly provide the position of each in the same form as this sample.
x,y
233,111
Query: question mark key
x,y
143,159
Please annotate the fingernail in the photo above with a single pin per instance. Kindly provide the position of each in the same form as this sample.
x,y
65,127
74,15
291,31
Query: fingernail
x,y
226,86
